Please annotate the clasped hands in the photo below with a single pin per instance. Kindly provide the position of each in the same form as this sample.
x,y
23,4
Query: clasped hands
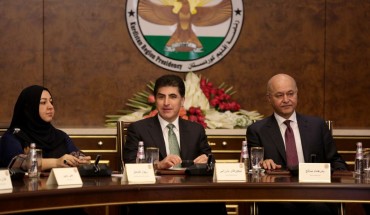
x,y
73,160
173,160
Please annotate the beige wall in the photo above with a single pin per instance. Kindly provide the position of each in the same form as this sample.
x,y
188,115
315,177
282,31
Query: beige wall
x,y
81,51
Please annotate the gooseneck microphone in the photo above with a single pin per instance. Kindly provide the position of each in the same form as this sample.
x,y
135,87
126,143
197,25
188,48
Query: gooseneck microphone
x,y
96,164
210,163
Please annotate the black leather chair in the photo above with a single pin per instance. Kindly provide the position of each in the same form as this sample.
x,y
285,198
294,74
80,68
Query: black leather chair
x,y
121,138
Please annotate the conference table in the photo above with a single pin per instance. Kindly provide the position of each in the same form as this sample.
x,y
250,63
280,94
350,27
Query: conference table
x,y
33,194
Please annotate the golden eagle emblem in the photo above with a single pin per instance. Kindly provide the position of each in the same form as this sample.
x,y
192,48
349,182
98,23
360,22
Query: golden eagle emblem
x,y
185,14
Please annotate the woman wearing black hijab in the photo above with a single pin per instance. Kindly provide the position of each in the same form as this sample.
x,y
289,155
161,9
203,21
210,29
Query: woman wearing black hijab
x,y
31,123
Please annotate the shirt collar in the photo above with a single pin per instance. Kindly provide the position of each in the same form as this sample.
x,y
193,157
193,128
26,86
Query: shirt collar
x,y
164,123
280,120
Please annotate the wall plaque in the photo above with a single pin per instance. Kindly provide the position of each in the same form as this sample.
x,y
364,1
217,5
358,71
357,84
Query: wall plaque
x,y
184,35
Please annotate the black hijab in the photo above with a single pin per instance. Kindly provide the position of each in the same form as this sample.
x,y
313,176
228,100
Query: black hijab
x,y
27,118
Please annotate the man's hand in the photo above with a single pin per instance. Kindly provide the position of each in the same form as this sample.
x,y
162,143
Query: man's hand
x,y
201,159
169,161
270,164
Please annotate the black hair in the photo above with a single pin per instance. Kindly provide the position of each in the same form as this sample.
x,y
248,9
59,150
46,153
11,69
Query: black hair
x,y
172,81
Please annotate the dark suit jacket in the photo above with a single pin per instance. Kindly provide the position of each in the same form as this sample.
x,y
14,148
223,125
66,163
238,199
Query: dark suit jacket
x,y
193,140
315,137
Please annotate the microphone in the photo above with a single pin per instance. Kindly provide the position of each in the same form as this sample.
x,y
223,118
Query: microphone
x,y
96,166
95,169
12,161
210,163
205,169
23,136
17,172
16,130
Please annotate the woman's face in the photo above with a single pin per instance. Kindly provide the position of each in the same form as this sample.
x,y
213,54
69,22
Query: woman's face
x,y
46,108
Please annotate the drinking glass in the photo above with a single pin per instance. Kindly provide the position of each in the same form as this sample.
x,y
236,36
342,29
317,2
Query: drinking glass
x,y
367,165
257,159
39,163
152,155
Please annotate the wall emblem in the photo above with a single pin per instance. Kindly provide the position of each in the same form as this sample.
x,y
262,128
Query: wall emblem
x,y
184,35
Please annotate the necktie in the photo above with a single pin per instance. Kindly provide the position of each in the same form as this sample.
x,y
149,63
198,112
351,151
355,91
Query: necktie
x,y
290,147
172,141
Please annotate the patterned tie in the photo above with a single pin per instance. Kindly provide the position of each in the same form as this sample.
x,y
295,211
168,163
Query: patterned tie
x,y
172,141
290,147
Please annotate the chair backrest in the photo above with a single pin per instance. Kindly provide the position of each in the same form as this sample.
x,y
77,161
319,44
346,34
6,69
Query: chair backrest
x,y
2,131
121,137
330,125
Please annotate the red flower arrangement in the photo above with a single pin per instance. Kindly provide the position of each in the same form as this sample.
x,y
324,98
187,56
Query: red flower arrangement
x,y
217,97
202,101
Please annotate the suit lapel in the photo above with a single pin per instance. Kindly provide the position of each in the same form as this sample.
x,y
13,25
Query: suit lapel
x,y
276,138
155,131
303,127
184,137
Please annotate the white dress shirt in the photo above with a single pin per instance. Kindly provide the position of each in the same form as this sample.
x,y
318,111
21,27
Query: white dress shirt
x,y
165,130
297,136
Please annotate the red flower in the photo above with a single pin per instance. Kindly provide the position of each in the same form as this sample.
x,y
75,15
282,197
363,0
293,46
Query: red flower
x,y
182,113
195,114
193,118
192,110
218,97
151,99
151,114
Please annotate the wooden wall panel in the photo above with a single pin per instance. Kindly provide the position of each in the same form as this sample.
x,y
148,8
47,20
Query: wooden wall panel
x,y
21,50
277,38
90,62
87,39
348,63
92,66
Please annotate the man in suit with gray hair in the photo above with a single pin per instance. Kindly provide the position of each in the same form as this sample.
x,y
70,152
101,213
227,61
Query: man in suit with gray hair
x,y
290,138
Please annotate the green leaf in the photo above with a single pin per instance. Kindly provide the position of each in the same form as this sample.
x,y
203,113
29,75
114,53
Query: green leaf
x,y
151,85
221,85
140,104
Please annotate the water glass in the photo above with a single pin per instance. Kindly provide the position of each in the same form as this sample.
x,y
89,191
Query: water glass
x,y
257,159
152,155
367,165
39,164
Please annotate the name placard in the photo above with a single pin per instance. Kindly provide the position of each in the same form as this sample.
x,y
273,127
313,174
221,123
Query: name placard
x,y
139,173
64,176
5,181
314,172
229,172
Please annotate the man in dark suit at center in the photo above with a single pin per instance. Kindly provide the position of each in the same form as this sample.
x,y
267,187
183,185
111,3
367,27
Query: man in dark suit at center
x,y
190,143
312,142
